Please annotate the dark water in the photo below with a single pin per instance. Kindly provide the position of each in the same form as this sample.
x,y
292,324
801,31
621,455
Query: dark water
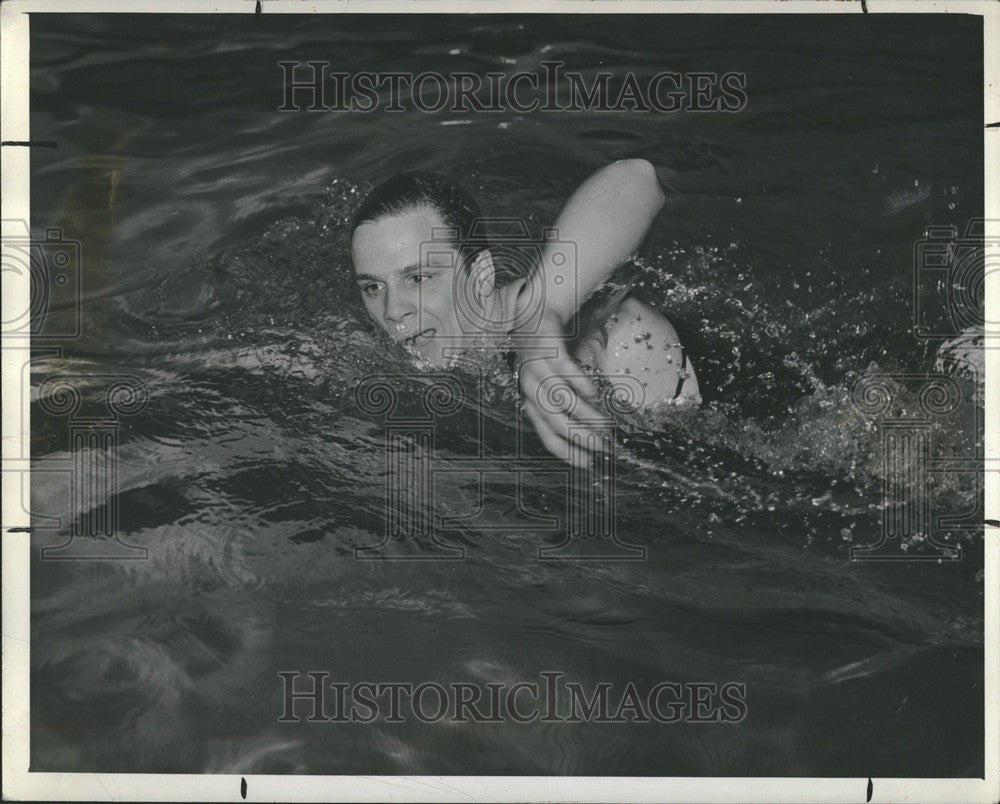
x,y
215,271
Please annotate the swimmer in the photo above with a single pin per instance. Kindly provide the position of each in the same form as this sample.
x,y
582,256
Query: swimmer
x,y
422,296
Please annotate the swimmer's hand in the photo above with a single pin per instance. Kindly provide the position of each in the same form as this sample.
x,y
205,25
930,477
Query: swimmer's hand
x,y
554,393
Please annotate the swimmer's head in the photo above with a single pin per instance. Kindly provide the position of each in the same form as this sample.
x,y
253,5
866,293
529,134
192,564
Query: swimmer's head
x,y
417,256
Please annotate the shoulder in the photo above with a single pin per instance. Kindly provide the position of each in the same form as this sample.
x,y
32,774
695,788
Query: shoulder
x,y
642,344
637,327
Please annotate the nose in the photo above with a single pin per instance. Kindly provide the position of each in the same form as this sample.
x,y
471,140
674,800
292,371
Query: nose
x,y
400,310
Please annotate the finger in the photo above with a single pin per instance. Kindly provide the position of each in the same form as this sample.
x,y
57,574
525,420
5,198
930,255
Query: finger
x,y
579,408
551,436
557,373
583,439
570,371
585,413
587,393
569,400
555,414
548,432
590,440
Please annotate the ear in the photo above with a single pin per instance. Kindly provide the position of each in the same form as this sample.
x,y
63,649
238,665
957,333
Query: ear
x,y
509,297
483,275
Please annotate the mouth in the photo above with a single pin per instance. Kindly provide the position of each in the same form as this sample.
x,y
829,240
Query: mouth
x,y
419,339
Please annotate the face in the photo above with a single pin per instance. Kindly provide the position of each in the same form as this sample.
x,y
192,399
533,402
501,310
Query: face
x,y
408,290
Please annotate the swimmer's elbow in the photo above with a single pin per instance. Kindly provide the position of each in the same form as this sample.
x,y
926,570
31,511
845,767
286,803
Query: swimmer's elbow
x,y
642,177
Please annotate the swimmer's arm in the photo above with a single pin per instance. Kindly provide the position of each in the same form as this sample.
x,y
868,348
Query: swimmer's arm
x,y
606,219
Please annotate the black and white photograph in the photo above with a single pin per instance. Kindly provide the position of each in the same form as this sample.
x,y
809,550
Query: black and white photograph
x,y
563,402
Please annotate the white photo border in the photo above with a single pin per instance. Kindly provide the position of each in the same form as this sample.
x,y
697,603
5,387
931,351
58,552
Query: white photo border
x,y
19,783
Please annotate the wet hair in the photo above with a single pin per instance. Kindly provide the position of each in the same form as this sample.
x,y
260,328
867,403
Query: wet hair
x,y
458,209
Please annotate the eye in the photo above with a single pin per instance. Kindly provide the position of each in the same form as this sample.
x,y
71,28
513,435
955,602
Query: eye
x,y
419,279
371,289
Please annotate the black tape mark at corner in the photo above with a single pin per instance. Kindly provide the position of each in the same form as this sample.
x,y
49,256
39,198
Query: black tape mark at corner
x,y
871,789
20,530
243,781
32,143
993,523
257,9
993,125
864,7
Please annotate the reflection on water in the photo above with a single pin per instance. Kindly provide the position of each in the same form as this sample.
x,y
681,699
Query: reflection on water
x,y
253,474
